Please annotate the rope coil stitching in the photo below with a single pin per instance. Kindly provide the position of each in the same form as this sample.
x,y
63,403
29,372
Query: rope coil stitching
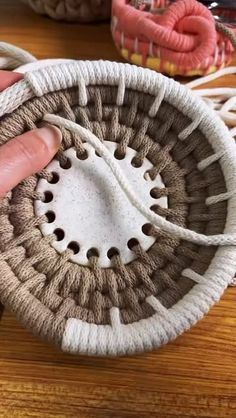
x,y
155,219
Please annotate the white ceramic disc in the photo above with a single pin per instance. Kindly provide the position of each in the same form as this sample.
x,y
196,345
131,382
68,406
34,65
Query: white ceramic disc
x,y
90,213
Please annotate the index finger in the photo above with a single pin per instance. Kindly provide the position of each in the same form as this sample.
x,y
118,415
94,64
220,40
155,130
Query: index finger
x,y
7,78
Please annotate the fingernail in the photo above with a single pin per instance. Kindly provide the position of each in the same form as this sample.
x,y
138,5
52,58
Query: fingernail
x,y
51,136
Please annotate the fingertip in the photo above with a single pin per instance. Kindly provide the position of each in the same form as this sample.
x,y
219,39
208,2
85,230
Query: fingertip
x,y
27,154
8,78
51,136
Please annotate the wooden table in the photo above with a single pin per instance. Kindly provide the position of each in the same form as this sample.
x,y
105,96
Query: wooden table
x,y
193,377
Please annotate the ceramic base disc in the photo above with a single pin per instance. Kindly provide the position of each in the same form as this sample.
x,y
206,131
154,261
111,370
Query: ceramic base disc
x,y
89,213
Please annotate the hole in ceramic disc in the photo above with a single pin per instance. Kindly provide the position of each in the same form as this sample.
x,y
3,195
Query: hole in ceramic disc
x,y
50,216
82,156
66,165
55,178
146,229
132,243
59,233
118,155
155,193
74,246
112,252
135,163
92,252
48,196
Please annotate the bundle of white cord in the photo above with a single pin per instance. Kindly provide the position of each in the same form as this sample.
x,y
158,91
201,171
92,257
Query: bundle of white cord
x,y
12,57
221,99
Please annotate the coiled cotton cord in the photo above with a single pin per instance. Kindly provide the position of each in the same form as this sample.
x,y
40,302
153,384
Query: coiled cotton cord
x,y
12,57
156,220
221,99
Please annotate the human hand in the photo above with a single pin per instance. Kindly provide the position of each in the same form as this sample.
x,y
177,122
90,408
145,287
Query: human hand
x,y
26,154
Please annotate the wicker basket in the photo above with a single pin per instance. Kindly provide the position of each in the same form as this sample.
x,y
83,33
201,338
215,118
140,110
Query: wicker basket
x,y
73,10
124,307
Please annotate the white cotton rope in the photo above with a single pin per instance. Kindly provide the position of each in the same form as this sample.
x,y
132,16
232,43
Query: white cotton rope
x,y
158,221
221,99
11,56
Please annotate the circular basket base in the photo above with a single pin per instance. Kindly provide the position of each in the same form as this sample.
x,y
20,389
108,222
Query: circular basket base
x,y
89,213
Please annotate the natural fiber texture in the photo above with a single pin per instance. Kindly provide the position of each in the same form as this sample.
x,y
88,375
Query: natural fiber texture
x,y
11,56
177,39
139,306
227,32
221,99
149,214
72,10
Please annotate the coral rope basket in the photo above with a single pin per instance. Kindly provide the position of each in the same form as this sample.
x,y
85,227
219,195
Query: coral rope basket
x,y
176,39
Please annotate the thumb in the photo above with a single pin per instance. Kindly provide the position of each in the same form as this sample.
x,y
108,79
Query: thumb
x,y
26,154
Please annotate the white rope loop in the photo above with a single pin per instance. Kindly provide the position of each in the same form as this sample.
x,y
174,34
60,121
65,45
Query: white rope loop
x,y
221,99
11,56
156,220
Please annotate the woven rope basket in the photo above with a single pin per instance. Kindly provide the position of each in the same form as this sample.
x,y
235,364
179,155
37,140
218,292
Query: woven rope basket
x,y
175,38
140,305
72,10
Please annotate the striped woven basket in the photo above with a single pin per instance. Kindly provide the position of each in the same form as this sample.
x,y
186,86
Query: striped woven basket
x,y
178,38
124,298
72,10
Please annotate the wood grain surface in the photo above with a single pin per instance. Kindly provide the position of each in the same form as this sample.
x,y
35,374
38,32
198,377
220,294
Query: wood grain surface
x,y
193,377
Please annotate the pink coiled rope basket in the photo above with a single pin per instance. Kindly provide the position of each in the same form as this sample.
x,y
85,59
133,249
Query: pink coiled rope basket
x,y
177,39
